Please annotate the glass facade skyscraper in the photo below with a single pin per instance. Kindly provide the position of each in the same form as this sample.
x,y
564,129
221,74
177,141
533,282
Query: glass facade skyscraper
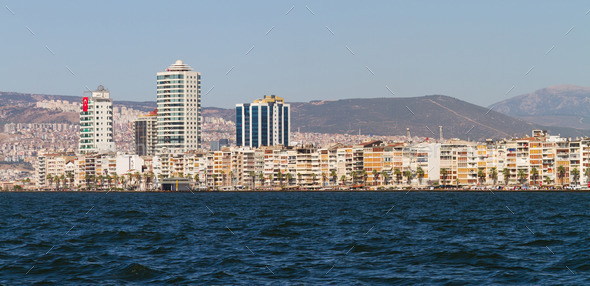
x,y
265,122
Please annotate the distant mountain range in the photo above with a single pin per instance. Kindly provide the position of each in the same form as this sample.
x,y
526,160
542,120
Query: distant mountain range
x,y
562,105
378,116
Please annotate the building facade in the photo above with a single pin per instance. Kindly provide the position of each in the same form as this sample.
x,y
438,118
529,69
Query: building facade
x,y
146,134
265,122
179,109
96,123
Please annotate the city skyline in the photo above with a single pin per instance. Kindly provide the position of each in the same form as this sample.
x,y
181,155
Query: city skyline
x,y
481,53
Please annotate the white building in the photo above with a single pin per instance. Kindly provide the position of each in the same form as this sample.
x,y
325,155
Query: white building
x,y
179,108
96,123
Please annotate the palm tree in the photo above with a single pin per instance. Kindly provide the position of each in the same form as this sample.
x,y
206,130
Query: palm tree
x,y
71,179
408,175
299,175
506,173
375,174
522,176
49,178
324,176
385,176
398,175
343,179
364,177
313,177
334,176
353,177
576,174
548,180
420,173
222,178
561,173
443,174
494,174
109,181
271,179
289,178
534,175
116,179
252,175
261,178
481,175
280,177
231,178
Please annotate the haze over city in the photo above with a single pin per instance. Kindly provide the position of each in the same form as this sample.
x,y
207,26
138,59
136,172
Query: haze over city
x,y
301,51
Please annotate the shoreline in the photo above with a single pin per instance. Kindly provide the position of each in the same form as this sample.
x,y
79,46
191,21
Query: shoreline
x,y
321,191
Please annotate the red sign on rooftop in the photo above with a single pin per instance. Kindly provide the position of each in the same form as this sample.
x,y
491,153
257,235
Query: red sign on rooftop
x,y
85,104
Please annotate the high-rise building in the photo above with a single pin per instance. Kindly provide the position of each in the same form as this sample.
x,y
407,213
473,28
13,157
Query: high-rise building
x,y
266,122
96,122
179,108
146,134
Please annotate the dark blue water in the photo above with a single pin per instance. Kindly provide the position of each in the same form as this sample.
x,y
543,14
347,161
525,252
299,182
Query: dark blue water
x,y
283,238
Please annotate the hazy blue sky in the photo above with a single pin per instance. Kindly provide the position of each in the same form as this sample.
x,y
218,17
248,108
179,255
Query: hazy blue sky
x,y
471,50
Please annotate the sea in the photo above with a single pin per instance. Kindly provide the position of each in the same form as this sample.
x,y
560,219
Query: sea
x,y
295,238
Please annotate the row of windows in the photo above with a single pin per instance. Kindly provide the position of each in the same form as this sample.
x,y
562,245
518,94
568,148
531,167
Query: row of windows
x,y
170,81
171,76
171,91
170,86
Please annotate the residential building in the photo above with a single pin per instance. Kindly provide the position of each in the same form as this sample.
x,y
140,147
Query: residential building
x,y
96,122
179,108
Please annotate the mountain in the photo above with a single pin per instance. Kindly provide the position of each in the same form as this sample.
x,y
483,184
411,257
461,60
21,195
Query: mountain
x,y
378,116
21,107
562,105
423,115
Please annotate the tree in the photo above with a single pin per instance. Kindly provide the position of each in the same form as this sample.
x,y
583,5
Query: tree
x,y
299,175
324,177
313,177
506,173
49,178
280,177
222,178
408,175
494,175
481,175
252,175
576,174
215,180
561,173
343,179
353,177
534,175
522,176
385,176
231,178
70,176
364,177
375,174
271,180
289,178
334,176
443,175
548,180
398,175
261,178
116,179
420,174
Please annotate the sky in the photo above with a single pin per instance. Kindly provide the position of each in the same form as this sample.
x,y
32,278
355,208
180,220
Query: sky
x,y
481,52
